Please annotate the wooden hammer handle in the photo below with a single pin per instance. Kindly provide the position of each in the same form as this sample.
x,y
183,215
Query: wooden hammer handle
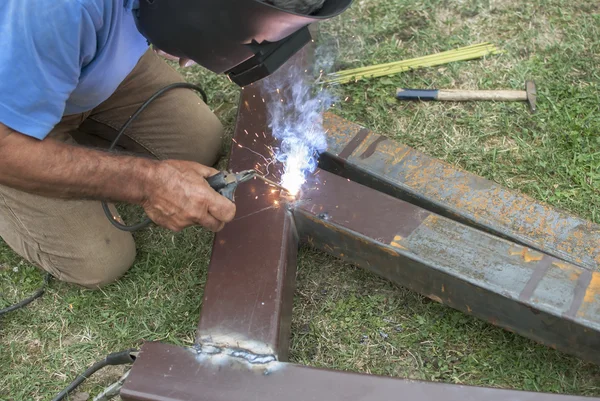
x,y
457,95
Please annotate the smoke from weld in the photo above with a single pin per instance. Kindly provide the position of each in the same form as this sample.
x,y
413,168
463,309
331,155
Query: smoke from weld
x,y
295,108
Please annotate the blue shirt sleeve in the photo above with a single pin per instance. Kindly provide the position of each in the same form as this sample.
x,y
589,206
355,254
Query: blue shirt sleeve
x,y
43,47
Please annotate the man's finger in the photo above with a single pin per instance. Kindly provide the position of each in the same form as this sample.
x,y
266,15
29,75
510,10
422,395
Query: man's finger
x,y
221,208
204,171
211,223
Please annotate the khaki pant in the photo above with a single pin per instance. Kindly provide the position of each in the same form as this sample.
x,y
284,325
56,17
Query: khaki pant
x,y
72,239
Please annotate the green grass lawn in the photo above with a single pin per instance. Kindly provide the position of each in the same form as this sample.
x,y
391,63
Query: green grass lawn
x,y
346,318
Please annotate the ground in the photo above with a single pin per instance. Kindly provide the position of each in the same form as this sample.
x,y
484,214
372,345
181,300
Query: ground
x,y
346,318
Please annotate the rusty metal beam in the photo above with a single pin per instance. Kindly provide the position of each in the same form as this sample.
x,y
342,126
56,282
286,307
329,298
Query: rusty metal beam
x,y
375,161
534,294
168,373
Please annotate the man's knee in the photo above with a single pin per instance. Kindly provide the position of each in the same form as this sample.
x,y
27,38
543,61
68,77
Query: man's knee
x,y
73,240
97,264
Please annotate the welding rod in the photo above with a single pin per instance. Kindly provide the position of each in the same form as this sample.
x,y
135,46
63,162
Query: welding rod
x,y
273,183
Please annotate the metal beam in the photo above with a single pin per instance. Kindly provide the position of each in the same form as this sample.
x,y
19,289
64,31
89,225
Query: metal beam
x,y
380,163
534,294
168,373
251,277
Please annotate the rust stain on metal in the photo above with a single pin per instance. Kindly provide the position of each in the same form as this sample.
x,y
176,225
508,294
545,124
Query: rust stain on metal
x,y
527,254
573,270
358,139
372,147
592,293
581,292
396,242
395,154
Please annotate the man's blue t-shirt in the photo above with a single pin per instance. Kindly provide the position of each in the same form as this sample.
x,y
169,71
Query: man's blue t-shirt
x,y
60,57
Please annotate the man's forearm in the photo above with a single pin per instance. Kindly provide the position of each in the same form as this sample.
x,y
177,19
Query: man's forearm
x,y
57,169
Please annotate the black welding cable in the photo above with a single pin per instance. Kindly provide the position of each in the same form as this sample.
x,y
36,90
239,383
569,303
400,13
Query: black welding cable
x,y
29,300
118,358
114,220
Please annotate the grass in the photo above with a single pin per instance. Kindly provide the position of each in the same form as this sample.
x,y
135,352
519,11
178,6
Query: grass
x,y
346,318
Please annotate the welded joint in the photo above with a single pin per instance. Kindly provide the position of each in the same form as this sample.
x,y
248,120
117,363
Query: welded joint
x,y
240,353
220,354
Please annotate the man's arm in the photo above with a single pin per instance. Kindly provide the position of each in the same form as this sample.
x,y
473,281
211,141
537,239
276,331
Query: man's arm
x,y
174,194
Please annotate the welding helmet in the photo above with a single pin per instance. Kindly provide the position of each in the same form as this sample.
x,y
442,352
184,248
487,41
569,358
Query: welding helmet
x,y
245,39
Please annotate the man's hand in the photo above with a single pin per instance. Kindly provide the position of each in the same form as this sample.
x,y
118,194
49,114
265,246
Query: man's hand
x,y
178,196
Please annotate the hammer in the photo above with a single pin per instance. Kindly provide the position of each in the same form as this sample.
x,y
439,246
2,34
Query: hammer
x,y
528,95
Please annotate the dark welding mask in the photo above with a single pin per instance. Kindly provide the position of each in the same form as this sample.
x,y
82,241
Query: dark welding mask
x,y
245,39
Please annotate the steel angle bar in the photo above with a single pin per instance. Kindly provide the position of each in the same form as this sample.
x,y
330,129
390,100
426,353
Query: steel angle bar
x,y
525,291
168,373
375,161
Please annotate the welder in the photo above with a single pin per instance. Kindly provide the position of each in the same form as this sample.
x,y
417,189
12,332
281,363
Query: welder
x,y
72,72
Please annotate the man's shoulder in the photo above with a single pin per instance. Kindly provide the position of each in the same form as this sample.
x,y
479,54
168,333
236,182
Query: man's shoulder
x,y
98,10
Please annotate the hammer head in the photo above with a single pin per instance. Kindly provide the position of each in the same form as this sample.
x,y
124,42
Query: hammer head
x,y
531,94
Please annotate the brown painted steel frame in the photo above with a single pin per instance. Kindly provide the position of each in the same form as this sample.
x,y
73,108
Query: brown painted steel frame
x,y
168,373
244,329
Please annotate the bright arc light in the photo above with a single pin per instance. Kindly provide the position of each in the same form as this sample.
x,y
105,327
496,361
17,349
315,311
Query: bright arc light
x,y
297,123
294,174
